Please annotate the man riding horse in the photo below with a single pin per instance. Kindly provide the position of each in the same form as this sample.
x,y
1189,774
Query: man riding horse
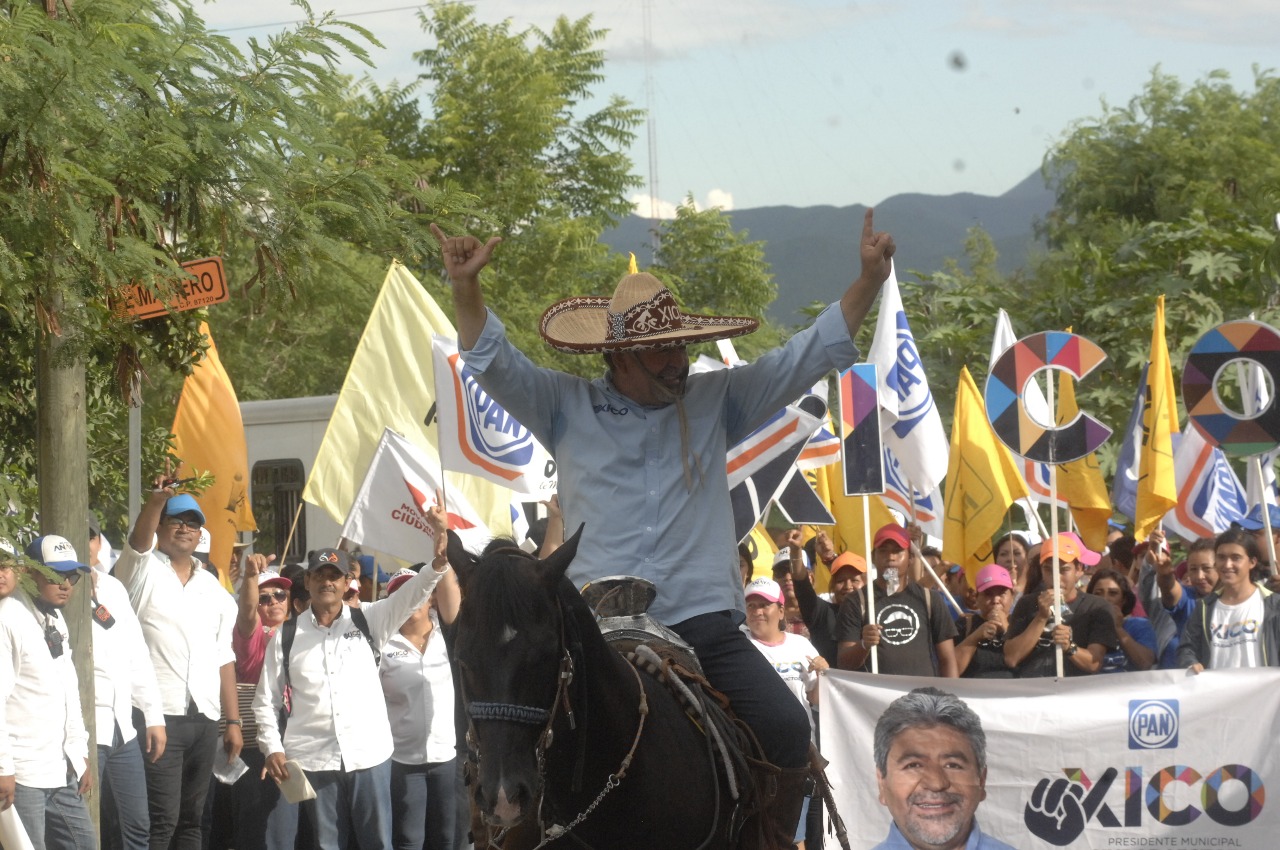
x,y
641,451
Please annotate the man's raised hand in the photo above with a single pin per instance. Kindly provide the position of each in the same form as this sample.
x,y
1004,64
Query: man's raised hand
x,y
464,256
876,251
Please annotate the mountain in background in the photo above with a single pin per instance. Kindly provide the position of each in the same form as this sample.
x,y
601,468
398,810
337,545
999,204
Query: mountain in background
x,y
813,250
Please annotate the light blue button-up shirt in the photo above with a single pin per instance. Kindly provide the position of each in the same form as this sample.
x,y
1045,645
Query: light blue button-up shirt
x,y
619,462
978,840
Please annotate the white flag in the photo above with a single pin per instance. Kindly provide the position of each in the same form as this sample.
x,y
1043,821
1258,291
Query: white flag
x,y
1210,497
478,437
389,511
1254,392
911,426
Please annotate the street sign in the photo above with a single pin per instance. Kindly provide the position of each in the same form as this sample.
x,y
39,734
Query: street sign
x,y
207,285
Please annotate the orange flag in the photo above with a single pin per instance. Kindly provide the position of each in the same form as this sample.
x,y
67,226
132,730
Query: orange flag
x,y
208,436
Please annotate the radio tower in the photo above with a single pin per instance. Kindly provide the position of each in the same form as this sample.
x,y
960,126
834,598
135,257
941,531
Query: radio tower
x,y
647,6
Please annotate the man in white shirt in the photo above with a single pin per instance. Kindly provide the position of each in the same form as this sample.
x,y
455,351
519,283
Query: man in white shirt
x,y
187,620
123,679
337,729
44,746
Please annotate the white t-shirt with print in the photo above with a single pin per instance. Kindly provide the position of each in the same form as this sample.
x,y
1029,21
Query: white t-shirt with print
x,y
791,659
1234,632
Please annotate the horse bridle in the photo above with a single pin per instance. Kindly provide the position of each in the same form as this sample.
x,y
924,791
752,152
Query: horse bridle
x,y
533,715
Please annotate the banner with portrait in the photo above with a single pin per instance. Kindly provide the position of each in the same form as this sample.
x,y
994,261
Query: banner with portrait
x,y
1141,760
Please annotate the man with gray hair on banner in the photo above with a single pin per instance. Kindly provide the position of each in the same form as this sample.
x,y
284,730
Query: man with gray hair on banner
x,y
931,769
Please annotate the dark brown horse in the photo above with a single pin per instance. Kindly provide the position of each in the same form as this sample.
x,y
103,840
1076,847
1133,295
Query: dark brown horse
x,y
567,734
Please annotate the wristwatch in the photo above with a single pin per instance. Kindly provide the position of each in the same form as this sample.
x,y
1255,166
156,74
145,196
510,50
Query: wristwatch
x,y
236,722
1071,649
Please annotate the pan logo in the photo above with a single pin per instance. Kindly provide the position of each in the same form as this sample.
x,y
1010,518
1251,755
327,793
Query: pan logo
x,y
1153,724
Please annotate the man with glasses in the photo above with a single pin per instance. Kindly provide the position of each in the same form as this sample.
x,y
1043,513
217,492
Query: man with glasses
x,y
187,620
44,746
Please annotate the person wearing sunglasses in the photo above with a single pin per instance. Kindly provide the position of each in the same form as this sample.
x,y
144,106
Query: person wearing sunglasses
x,y
263,819
187,619
44,746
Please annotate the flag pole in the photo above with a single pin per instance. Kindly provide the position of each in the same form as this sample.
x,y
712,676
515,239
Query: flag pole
x,y
1256,460
871,576
1053,536
292,528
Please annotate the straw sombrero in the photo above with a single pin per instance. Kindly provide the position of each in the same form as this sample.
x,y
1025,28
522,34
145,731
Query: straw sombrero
x,y
642,314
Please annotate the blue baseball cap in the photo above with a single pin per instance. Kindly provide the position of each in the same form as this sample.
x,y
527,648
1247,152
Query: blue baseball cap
x,y
183,503
367,564
1253,522
56,553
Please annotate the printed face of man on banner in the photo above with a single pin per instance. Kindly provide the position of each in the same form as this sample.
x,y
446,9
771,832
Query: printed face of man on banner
x,y
931,768
932,786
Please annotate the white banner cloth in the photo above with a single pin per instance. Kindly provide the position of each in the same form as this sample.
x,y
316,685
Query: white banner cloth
x,y
1147,760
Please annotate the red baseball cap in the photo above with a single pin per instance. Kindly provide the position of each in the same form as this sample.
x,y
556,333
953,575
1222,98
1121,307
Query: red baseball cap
x,y
893,532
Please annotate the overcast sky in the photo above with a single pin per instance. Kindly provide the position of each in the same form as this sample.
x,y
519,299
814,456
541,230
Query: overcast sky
x,y
805,102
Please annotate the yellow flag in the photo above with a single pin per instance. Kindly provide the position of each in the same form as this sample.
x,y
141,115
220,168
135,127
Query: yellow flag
x,y
848,534
982,482
1080,482
390,384
1157,487
208,436
763,549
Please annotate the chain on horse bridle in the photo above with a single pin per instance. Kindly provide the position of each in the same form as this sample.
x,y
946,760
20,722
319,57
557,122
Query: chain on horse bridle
x,y
532,716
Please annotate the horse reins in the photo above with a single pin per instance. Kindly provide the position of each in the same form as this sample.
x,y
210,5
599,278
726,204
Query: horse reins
x,y
532,716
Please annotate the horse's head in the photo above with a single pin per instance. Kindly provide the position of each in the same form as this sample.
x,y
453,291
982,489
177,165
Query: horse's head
x,y
510,652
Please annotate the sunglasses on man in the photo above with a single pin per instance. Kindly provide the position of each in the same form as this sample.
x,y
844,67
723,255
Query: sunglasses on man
x,y
71,578
266,597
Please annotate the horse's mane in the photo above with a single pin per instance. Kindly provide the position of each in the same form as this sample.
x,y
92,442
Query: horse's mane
x,y
499,588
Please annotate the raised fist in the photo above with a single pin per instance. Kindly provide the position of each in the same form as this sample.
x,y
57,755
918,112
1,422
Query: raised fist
x,y
1059,808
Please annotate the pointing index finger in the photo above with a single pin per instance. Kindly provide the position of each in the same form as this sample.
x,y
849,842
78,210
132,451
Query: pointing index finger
x,y
438,233
868,225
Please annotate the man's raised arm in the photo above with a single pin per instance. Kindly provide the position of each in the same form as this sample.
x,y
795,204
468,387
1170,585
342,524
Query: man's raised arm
x,y
464,257
875,250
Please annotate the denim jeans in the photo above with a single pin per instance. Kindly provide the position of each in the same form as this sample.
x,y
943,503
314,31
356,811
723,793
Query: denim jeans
x,y
178,782
352,808
423,805
122,779
55,818
265,820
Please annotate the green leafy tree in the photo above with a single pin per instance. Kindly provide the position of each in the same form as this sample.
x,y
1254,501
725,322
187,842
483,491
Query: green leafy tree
x,y
511,120
1174,193
132,139
714,269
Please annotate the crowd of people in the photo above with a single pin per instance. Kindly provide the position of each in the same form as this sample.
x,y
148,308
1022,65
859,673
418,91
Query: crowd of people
x,y
292,714
1131,607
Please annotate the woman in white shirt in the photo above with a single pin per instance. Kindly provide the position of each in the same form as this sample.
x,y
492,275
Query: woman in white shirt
x,y
792,655
418,685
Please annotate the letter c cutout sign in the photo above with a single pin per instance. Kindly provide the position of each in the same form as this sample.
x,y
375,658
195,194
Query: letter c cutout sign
x,y
1070,353
1220,346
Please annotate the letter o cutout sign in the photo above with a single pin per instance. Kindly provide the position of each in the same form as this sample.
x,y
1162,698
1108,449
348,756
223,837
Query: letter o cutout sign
x,y
1220,346
1071,353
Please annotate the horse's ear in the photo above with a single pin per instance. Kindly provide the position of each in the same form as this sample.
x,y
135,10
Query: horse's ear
x,y
555,564
459,558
